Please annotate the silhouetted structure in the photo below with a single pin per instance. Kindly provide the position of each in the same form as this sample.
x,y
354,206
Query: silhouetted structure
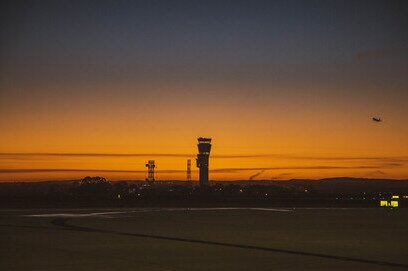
x,y
189,170
88,180
150,170
204,148
97,191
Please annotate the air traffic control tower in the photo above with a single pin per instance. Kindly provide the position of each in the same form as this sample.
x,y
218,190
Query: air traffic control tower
x,y
204,148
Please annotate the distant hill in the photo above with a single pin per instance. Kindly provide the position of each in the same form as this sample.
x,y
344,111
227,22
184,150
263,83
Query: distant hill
x,y
349,185
97,192
327,185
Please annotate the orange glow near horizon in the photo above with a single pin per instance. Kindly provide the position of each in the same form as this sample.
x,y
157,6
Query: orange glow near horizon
x,y
289,89
173,168
278,140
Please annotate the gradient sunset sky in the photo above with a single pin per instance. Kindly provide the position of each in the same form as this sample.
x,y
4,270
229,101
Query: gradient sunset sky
x,y
286,89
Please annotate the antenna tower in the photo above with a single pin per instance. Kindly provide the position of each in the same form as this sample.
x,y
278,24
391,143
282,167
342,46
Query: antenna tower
x,y
150,170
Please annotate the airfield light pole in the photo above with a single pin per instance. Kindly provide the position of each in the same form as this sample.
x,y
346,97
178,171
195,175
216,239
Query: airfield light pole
x,y
150,170
204,148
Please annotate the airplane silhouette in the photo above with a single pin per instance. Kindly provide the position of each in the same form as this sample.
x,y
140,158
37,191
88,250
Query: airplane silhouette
x,y
377,119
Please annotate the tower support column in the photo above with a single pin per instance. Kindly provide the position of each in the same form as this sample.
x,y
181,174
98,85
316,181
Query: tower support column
x,y
204,148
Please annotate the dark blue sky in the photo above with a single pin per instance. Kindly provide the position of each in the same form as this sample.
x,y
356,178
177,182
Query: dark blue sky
x,y
200,40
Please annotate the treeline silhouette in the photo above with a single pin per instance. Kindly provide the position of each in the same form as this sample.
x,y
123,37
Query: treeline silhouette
x,y
98,192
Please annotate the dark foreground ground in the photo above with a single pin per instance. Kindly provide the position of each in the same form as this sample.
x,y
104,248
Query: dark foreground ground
x,y
204,239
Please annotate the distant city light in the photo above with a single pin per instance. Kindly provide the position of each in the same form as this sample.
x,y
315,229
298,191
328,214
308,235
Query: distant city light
x,y
390,203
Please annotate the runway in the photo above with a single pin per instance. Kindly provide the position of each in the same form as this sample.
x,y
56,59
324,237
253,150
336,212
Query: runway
x,y
230,238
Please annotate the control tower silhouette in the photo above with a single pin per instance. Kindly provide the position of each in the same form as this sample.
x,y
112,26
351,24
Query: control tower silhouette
x,y
204,148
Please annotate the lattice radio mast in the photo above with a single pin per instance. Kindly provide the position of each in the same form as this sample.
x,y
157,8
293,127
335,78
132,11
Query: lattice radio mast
x,y
150,170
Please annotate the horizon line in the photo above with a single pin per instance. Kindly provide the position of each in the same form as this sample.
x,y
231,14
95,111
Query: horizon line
x,y
214,180
216,170
227,156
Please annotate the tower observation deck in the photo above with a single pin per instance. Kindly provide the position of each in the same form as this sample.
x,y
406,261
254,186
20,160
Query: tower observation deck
x,y
204,148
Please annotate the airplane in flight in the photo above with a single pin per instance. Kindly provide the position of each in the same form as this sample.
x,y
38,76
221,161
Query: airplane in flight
x,y
377,119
